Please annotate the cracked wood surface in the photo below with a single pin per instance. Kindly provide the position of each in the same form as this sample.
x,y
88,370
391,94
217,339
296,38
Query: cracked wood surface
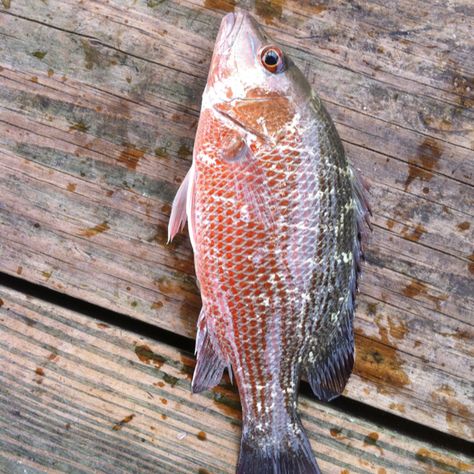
x,y
99,103
78,395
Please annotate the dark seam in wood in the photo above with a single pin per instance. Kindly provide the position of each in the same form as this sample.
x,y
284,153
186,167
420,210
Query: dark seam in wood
x,y
400,160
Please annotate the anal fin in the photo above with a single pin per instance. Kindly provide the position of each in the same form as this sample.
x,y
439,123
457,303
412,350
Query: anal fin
x,y
328,374
210,364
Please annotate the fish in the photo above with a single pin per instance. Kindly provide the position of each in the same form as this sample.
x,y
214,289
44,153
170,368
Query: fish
x,y
276,218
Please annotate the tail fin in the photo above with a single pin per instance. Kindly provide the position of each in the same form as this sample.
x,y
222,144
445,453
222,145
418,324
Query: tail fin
x,y
292,455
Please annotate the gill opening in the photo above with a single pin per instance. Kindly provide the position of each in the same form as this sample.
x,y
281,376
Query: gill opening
x,y
229,120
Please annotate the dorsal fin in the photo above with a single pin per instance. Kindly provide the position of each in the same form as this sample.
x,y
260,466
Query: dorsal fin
x,y
328,371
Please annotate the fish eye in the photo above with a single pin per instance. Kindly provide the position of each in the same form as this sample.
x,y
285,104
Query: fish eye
x,y
272,59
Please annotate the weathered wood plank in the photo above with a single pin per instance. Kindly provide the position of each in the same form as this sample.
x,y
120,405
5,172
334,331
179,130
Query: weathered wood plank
x,y
98,108
77,395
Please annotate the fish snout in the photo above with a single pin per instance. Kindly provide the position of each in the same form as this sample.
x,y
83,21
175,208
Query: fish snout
x,y
228,31
232,24
227,25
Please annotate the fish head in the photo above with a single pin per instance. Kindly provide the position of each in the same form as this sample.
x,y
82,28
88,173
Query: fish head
x,y
253,85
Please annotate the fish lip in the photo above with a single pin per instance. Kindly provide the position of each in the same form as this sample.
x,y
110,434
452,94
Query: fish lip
x,y
230,28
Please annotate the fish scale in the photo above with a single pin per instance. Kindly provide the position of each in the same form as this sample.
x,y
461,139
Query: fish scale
x,y
275,215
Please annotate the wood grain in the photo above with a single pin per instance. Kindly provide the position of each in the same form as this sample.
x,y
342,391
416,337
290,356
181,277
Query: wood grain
x,y
77,395
98,108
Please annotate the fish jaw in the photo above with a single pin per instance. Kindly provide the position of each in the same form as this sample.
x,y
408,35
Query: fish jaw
x,y
236,46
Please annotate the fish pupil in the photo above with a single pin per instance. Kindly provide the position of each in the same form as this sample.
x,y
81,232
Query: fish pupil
x,y
271,58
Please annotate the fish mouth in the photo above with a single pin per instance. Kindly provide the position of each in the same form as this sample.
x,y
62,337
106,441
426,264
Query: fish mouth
x,y
230,28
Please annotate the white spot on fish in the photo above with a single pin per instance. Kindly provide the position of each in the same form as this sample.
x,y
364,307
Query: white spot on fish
x,y
244,213
346,256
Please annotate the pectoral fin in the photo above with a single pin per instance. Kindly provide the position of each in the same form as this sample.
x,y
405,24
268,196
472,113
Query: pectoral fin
x,y
250,183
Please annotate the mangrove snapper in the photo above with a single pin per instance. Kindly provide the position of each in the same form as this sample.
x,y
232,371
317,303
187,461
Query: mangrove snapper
x,y
275,215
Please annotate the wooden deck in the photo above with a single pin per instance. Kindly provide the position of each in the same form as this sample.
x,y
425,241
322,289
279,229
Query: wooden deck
x,y
99,102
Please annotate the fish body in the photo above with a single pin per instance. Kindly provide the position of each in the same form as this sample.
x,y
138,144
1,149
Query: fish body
x,y
275,216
